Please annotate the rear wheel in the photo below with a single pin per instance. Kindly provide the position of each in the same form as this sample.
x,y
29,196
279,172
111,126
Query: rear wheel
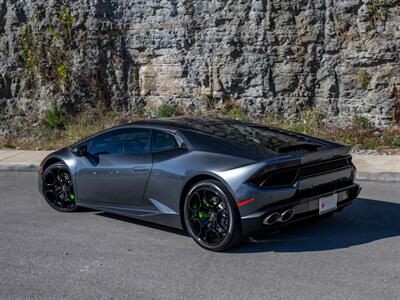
x,y
58,189
211,216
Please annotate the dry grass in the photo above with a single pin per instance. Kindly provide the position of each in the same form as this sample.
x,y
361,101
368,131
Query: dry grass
x,y
71,129
359,132
74,128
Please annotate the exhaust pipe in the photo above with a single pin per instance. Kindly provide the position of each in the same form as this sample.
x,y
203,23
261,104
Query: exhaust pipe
x,y
287,215
272,218
275,217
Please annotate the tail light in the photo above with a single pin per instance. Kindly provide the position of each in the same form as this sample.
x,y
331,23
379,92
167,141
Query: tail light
x,y
288,176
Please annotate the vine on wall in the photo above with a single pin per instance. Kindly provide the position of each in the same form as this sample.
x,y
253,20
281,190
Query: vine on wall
x,y
45,48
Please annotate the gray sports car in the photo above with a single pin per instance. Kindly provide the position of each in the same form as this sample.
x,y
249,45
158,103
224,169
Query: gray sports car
x,y
218,179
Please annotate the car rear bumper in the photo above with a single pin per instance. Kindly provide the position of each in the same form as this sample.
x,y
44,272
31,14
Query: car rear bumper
x,y
304,207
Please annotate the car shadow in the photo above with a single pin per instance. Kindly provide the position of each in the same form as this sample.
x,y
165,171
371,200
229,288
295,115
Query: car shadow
x,y
364,221
142,223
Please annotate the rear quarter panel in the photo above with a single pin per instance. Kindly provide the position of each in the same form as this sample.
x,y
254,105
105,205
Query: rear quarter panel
x,y
170,173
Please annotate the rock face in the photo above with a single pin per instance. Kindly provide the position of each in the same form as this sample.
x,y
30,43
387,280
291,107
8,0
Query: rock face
x,y
266,56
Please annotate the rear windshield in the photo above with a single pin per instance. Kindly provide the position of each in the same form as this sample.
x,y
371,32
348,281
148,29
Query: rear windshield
x,y
247,133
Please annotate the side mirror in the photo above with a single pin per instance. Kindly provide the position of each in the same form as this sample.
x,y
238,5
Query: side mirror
x,y
80,150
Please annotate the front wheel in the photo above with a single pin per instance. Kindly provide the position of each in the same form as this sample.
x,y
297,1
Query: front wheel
x,y
58,189
211,216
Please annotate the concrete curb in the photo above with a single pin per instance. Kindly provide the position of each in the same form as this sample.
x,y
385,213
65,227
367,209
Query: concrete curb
x,y
19,167
378,176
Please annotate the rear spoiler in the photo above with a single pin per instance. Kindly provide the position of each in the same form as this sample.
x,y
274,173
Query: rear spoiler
x,y
337,152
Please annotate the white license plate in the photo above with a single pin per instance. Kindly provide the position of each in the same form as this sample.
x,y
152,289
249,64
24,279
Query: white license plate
x,y
327,204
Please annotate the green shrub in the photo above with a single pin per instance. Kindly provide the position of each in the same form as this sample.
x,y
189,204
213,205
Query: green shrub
x,y
135,79
66,20
139,111
165,110
310,121
362,122
395,142
236,113
369,142
53,118
210,101
62,72
8,145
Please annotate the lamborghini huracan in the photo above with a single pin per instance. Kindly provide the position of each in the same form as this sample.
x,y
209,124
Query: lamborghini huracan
x,y
219,179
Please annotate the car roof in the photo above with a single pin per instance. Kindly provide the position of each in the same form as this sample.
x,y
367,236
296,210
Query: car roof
x,y
199,124
194,123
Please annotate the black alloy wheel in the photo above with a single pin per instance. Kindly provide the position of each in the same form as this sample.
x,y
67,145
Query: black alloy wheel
x,y
58,189
211,216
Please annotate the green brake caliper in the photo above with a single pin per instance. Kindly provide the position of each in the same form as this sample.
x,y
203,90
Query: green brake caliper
x,y
199,214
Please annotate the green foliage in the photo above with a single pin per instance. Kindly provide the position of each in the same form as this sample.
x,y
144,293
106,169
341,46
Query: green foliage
x,y
66,20
363,77
369,142
210,101
62,72
362,122
37,15
382,14
377,10
45,49
310,120
391,139
135,79
8,145
65,16
139,111
396,141
165,110
54,118
236,113
371,8
25,46
19,128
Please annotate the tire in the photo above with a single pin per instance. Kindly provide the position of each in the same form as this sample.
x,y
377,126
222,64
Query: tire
x,y
58,189
212,217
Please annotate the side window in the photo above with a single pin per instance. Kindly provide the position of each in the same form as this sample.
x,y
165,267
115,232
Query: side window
x,y
122,141
164,141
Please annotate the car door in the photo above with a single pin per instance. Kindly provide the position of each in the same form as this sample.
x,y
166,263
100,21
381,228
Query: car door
x,y
116,169
168,170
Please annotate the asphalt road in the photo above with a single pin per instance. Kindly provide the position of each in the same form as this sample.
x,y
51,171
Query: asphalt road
x,y
46,254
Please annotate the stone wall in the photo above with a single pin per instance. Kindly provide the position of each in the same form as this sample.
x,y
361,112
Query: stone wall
x,y
267,56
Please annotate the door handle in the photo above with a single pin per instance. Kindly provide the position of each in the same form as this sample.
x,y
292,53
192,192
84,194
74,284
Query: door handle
x,y
140,169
